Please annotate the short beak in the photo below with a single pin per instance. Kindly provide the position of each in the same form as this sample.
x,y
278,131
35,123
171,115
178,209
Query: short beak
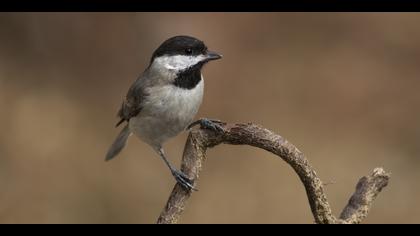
x,y
212,56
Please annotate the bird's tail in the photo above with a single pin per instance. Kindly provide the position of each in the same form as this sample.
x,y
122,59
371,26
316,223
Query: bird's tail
x,y
118,144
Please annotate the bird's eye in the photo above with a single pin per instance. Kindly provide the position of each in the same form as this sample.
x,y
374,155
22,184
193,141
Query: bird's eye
x,y
188,51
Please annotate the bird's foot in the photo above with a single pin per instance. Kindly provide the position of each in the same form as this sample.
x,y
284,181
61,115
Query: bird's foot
x,y
183,180
215,125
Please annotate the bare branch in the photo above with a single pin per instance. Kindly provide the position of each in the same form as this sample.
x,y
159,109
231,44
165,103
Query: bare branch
x,y
250,134
367,189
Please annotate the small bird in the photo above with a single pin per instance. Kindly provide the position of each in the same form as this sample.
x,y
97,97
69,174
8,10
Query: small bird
x,y
164,99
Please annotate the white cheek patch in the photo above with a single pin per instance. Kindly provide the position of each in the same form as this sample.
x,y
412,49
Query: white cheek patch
x,y
177,62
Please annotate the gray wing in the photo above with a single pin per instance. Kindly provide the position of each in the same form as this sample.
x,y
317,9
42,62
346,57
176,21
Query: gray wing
x,y
132,103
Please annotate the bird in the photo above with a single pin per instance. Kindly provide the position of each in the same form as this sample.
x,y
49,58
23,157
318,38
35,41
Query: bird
x,y
163,101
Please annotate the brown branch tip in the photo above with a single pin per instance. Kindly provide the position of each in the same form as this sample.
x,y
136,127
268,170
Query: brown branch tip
x,y
194,156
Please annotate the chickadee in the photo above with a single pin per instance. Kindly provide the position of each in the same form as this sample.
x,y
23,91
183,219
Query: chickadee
x,y
163,101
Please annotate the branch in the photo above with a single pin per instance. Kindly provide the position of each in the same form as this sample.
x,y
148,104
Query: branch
x,y
250,134
367,189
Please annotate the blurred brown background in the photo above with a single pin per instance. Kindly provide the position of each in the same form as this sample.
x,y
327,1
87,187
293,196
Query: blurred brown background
x,y
344,88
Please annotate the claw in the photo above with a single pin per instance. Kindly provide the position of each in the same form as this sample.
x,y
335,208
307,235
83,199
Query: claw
x,y
205,123
183,180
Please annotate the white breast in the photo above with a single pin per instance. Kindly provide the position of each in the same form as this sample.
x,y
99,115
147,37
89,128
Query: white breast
x,y
166,112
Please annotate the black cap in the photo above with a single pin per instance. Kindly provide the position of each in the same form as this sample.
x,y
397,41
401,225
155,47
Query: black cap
x,y
181,45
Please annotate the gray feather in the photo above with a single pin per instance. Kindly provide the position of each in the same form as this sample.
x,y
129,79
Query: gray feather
x,y
118,144
134,99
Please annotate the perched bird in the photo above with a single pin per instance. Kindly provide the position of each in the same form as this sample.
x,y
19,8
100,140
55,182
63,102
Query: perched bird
x,y
163,101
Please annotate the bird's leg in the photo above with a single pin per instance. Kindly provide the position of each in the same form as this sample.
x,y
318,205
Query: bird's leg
x,y
180,177
205,123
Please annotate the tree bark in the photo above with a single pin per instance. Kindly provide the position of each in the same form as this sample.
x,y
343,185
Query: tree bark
x,y
250,134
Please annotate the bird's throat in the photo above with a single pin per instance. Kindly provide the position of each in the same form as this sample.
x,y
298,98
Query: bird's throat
x,y
188,79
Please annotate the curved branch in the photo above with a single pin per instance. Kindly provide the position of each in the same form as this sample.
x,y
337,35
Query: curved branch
x,y
250,134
